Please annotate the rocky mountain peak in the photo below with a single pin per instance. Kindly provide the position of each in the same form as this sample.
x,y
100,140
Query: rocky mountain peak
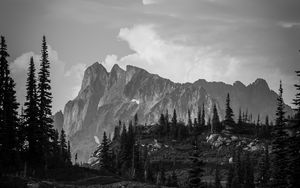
x,y
107,97
261,84
238,84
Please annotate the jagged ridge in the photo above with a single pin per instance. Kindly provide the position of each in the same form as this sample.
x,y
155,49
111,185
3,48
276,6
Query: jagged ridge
x,y
106,97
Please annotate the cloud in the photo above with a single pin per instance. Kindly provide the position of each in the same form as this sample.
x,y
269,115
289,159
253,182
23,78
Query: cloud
x,y
182,62
289,24
176,61
149,2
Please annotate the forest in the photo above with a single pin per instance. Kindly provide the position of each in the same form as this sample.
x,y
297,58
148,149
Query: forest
x,y
233,152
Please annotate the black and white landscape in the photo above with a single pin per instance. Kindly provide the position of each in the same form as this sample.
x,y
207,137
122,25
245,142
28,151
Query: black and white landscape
x,y
150,93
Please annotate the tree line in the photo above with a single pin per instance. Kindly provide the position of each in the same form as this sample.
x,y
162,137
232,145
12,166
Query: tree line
x,y
278,166
28,141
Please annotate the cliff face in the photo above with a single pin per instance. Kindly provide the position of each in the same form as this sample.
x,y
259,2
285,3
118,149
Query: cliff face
x,y
106,97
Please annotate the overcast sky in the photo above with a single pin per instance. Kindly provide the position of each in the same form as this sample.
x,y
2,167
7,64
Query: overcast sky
x,y
183,40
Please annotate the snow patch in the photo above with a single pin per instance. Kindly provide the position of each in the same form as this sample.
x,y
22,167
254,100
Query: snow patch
x,y
136,101
96,139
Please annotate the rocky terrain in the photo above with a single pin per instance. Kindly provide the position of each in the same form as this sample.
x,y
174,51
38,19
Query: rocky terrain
x,y
107,97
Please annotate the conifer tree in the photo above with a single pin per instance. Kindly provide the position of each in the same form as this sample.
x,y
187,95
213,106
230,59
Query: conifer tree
x,y
117,131
199,117
104,157
203,116
69,155
45,102
8,112
174,118
279,151
215,120
174,125
63,146
294,143
32,128
196,172
228,121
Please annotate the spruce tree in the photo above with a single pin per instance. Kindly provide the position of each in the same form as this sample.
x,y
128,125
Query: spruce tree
x,y
199,117
279,150
63,146
215,120
104,157
69,155
44,102
228,121
294,143
196,171
8,113
174,125
32,128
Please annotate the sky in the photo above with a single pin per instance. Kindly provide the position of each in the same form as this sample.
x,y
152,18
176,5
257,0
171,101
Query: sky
x,y
216,40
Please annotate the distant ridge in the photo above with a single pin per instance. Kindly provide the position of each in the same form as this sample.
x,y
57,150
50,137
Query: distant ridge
x,y
107,97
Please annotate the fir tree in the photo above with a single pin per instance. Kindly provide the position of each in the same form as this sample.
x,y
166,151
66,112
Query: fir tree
x,y
32,128
279,161
215,120
117,131
63,146
8,113
294,143
174,118
228,121
69,155
104,157
174,125
199,117
196,172
44,101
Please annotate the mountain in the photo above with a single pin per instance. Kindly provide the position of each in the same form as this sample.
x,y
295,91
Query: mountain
x,y
107,97
58,120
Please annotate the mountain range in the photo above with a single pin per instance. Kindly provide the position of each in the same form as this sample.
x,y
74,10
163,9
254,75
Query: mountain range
x,y
107,97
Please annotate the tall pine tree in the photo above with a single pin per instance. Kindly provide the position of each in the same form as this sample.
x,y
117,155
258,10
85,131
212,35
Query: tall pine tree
x,y
216,127
279,146
33,130
45,103
228,121
8,113
105,159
